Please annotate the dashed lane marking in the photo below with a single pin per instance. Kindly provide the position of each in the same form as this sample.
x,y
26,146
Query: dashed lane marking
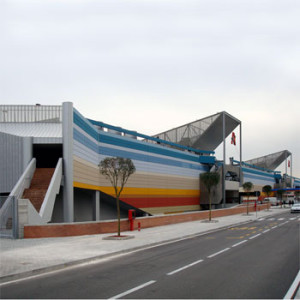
x,y
217,253
133,290
240,243
185,267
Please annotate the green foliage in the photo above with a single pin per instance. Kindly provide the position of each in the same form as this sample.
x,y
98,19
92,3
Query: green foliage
x,y
210,179
247,186
267,190
117,170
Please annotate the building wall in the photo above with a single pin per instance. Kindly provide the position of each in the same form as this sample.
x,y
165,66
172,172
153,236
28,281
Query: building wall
x,y
166,180
11,161
258,178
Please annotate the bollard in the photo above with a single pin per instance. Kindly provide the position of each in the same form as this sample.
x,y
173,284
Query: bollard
x,y
139,226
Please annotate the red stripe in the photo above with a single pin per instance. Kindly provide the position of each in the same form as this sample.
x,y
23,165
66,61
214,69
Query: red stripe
x,y
161,202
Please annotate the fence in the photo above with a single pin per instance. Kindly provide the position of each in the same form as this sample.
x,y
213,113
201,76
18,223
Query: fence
x,y
8,217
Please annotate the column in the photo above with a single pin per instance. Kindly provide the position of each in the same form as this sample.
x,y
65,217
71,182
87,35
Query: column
x,y
67,131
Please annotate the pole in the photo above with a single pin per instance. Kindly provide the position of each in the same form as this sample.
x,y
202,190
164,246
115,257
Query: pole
x,y
224,162
240,153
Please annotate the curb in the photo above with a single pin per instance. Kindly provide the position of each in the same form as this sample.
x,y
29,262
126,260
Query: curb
x,y
23,276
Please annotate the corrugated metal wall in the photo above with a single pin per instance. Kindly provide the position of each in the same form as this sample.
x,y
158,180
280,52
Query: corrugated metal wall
x,y
166,180
11,161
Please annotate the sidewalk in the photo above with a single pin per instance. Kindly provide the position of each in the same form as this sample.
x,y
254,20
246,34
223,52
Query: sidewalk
x,y
26,257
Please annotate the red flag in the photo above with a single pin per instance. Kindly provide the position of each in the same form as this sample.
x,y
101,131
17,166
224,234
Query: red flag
x,y
233,139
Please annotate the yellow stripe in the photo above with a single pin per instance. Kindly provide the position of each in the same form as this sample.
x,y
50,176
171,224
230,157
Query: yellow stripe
x,y
139,191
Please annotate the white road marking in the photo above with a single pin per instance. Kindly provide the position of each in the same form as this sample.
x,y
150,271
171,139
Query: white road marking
x,y
266,230
261,219
292,219
215,254
292,290
274,227
254,236
185,267
271,219
237,244
281,219
133,290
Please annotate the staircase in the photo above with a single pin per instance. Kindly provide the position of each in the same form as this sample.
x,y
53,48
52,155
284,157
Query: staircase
x,y
38,187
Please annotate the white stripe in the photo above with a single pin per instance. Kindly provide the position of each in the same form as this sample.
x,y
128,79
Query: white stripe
x,y
292,219
133,290
215,254
261,219
280,219
271,219
242,242
266,230
274,227
185,267
293,287
255,236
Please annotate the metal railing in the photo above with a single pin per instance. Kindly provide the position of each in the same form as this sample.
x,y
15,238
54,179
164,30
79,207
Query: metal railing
x,y
31,113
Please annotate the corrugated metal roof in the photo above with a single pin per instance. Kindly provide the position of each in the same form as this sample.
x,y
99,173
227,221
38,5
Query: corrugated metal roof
x,y
35,130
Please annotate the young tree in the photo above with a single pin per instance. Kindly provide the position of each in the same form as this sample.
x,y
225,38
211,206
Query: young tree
x,y
280,194
267,190
117,170
210,179
247,186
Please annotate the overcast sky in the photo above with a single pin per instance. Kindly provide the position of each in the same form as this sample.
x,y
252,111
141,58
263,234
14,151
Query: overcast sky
x,y
153,65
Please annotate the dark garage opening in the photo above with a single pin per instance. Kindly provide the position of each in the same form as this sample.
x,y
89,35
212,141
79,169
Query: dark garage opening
x,y
47,155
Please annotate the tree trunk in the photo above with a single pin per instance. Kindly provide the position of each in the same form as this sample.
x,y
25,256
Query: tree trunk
x,y
248,206
119,217
209,206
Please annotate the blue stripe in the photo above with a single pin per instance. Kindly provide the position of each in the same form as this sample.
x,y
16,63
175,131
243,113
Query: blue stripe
x,y
258,173
112,139
146,147
259,178
78,136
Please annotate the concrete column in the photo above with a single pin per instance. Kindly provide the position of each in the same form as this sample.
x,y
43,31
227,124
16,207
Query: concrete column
x,y
68,192
96,206
27,151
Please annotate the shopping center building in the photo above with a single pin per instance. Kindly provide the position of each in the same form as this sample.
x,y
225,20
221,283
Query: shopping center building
x,y
50,159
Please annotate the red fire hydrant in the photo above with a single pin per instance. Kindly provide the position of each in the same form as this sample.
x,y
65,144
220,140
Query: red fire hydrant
x,y
131,217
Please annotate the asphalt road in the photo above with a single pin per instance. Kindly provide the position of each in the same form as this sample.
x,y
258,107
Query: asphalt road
x,y
256,260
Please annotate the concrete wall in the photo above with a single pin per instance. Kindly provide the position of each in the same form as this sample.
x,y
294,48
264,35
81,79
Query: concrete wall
x,y
166,180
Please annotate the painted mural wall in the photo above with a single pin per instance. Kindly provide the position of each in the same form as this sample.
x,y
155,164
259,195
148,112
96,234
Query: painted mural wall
x,y
166,180
258,178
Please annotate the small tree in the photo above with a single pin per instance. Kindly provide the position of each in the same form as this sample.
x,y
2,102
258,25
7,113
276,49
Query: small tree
x,y
267,190
210,179
247,186
117,170
280,194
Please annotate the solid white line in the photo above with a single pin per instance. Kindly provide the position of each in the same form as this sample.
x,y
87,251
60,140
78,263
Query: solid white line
x,y
266,230
253,237
242,242
274,227
185,267
133,290
215,254
293,287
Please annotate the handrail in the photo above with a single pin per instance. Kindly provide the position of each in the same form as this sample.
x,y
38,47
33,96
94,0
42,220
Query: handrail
x,y
21,185
53,189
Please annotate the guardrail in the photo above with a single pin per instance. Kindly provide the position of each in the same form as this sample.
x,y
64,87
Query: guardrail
x,y
53,189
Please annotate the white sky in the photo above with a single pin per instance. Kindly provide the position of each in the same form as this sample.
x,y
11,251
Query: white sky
x,y
153,65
